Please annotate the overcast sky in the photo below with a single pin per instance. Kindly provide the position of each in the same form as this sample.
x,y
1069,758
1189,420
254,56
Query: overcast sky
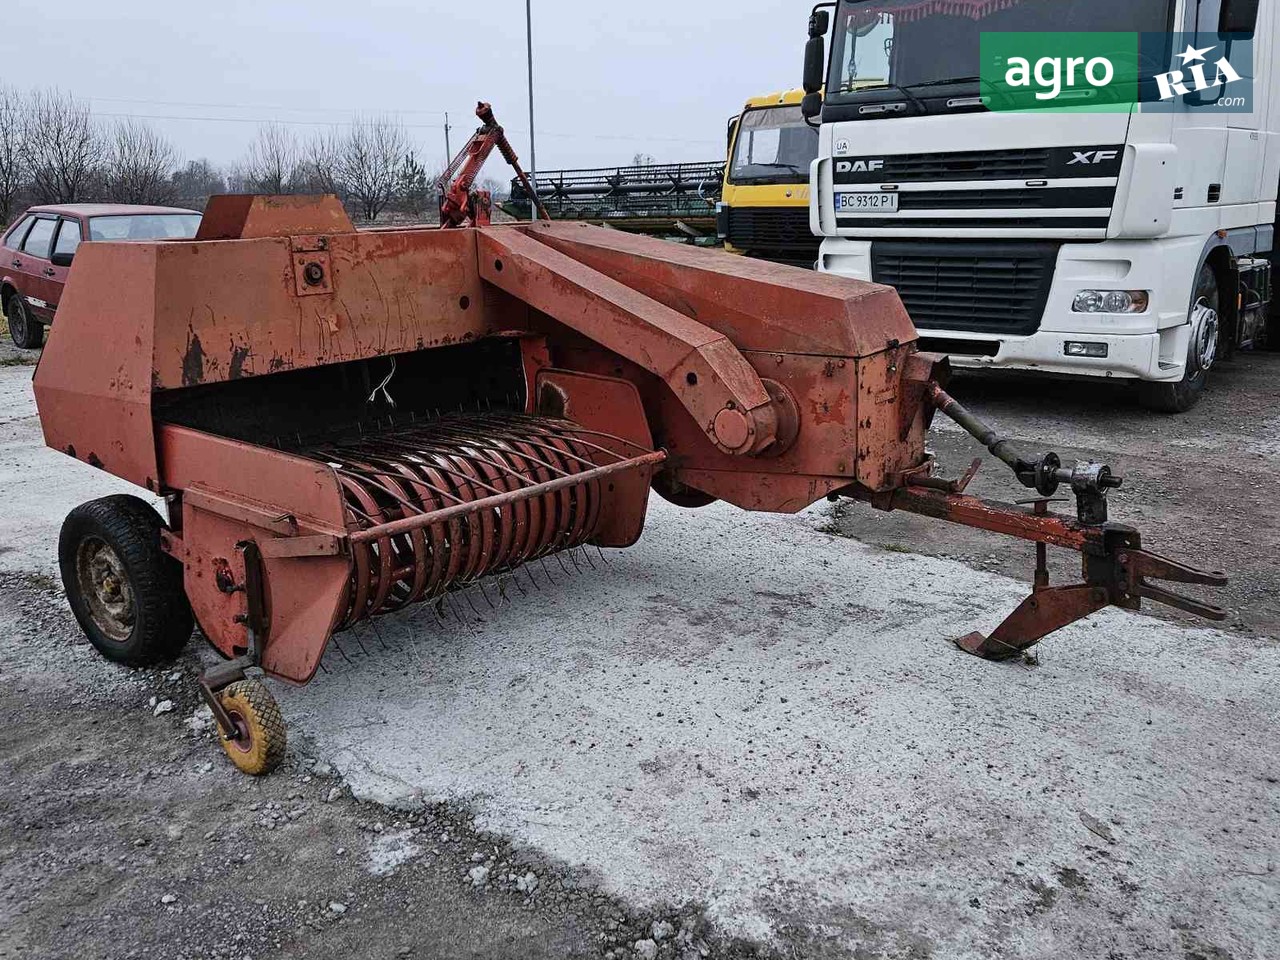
x,y
610,79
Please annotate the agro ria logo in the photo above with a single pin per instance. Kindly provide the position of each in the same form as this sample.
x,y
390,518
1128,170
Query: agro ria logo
x,y
1193,77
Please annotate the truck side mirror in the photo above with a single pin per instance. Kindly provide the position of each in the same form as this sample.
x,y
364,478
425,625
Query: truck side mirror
x,y
819,21
811,105
815,62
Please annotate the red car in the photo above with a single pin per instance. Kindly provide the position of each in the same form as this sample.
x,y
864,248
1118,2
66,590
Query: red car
x,y
36,253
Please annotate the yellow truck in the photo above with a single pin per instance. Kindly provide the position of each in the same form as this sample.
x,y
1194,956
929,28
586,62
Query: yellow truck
x,y
764,204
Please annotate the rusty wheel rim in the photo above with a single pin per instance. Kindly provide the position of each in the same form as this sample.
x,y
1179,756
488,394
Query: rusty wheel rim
x,y
243,740
106,589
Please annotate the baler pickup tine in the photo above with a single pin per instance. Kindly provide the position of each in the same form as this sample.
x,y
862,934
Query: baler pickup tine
x,y
378,634
338,644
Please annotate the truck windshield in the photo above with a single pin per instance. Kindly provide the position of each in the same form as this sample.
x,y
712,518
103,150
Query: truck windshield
x,y
145,226
934,42
774,145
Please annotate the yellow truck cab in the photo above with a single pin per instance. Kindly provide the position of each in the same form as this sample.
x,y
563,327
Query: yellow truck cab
x,y
764,207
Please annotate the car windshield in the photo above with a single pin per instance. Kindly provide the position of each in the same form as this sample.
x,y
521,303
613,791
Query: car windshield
x,y
774,145
145,226
932,42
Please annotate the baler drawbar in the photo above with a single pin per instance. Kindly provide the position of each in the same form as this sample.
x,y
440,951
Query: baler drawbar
x,y
344,423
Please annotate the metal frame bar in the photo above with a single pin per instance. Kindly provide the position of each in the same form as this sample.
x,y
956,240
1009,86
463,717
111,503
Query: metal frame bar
x,y
407,524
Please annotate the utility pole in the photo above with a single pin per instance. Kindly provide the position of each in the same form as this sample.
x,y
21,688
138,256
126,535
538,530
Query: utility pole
x,y
448,154
533,156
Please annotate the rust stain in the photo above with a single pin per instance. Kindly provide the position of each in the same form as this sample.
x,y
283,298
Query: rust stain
x,y
830,410
238,356
193,360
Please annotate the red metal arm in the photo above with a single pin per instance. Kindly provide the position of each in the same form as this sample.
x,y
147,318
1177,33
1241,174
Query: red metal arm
x,y
460,206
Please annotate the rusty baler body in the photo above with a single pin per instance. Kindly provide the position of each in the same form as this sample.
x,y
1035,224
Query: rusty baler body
x,y
344,422
179,370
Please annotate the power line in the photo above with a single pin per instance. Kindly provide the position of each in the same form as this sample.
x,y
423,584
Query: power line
x,y
340,123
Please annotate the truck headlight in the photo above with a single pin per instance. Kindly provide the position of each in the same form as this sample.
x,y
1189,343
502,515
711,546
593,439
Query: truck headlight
x,y
1111,301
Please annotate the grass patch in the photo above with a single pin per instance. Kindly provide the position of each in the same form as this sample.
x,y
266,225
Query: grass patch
x,y
17,362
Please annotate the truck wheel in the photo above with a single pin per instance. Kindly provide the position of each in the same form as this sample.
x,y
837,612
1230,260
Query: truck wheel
x,y
25,331
1181,396
125,591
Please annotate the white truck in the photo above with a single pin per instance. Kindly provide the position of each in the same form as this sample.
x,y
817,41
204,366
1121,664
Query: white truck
x,y
1136,243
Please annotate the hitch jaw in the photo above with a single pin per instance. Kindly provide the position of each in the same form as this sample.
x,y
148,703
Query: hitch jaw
x,y
1116,570
1116,577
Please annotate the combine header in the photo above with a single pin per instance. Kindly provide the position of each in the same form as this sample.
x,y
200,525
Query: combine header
x,y
344,423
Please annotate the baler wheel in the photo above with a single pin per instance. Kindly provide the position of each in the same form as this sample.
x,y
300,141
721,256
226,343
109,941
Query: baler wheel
x,y
125,591
259,746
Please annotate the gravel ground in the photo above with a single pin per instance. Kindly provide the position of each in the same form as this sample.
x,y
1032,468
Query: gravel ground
x,y
124,833
792,754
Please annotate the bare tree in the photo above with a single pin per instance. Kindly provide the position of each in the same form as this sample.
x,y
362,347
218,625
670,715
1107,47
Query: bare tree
x,y
139,164
13,160
322,158
498,189
64,147
237,178
373,157
195,183
272,165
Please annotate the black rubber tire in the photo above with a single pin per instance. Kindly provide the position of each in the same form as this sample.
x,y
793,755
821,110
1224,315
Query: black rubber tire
x,y
1182,395
25,330
1272,339
162,619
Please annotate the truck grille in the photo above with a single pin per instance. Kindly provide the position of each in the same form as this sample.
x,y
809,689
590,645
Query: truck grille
x,y
981,286
1036,163
773,233
969,165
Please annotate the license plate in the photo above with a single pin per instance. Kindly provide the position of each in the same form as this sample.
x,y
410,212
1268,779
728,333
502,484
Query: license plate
x,y
876,201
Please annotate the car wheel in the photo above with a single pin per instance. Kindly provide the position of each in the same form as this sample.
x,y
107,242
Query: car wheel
x,y
25,330
1182,395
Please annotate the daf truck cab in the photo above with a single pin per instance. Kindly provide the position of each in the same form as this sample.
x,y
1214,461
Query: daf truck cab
x,y
764,204
1131,242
